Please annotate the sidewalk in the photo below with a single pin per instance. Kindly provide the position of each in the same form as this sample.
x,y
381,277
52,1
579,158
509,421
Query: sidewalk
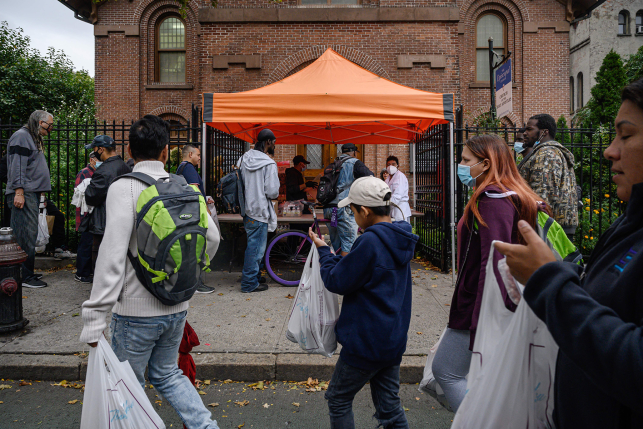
x,y
242,335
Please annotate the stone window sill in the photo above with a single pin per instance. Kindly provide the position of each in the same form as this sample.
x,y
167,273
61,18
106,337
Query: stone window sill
x,y
170,86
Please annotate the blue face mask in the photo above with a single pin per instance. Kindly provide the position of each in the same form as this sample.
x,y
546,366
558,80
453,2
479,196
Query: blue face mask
x,y
518,147
464,174
98,163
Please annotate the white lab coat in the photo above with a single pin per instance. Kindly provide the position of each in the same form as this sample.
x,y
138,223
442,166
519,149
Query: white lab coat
x,y
399,185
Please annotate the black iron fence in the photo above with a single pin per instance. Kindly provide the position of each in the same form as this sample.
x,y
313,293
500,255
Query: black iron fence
x,y
598,204
66,156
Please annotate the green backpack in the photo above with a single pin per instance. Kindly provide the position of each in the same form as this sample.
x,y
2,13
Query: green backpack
x,y
171,227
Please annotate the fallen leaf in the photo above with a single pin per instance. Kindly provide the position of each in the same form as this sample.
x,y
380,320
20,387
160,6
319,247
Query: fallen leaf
x,y
24,297
62,383
419,333
242,403
220,294
201,392
24,383
268,320
289,296
296,404
434,285
266,405
207,382
75,315
1,402
241,425
448,305
417,399
405,409
73,402
214,404
248,299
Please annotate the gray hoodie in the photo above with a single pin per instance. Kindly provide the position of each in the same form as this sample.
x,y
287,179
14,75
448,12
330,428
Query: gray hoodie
x,y
261,183
26,165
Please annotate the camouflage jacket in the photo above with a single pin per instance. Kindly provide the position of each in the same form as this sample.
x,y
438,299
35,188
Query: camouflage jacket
x,y
549,170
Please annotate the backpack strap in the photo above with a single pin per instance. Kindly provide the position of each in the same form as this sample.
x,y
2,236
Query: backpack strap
x,y
148,180
181,167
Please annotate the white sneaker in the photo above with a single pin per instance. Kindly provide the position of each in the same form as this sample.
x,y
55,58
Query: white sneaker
x,y
63,254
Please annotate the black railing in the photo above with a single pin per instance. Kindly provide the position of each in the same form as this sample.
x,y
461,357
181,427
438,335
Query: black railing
x,y
600,205
66,156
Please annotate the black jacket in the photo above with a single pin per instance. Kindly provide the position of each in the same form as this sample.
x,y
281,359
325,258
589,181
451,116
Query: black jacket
x,y
596,317
294,179
96,192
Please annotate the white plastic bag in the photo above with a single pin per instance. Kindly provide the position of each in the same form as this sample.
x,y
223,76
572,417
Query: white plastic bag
x,y
214,215
315,311
43,232
114,399
429,384
511,378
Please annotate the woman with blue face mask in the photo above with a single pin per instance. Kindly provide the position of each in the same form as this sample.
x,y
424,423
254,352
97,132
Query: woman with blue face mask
x,y
500,199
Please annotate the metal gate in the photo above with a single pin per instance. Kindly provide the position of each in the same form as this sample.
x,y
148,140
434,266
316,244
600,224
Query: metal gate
x,y
432,195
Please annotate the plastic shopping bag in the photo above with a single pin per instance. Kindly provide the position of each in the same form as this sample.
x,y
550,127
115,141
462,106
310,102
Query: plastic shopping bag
x,y
315,311
513,384
114,399
43,232
429,384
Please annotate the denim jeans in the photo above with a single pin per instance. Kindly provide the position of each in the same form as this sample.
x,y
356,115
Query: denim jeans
x,y
154,342
257,233
385,388
344,235
84,264
24,223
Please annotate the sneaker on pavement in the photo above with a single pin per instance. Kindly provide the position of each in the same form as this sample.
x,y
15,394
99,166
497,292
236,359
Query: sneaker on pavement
x,y
33,283
204,289
83,279
38,276
260,288
63,254
262,280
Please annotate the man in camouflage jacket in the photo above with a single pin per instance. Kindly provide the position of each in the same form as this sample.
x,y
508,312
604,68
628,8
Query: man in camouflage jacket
x,y
548,168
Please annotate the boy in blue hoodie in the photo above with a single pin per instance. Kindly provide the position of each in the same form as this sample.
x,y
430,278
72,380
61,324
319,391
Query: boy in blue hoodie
x,y
375,280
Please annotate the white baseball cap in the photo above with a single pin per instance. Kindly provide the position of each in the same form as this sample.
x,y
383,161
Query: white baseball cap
x,y
368,192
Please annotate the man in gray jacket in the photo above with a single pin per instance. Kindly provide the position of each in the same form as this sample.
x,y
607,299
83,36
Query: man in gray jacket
x,y
261,184
27,179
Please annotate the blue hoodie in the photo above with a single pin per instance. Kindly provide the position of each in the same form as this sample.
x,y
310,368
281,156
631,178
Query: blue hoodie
x,y
375,279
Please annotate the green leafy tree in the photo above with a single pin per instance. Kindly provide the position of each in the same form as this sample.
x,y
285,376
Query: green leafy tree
x,y
634,66
606,94
30,81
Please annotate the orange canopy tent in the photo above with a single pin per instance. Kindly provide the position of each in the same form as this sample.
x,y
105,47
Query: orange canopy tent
x,y
332,100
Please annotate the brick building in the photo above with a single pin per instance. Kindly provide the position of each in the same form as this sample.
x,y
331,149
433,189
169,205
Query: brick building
x,y
149,59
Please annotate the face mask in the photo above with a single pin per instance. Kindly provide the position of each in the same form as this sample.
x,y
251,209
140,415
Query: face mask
x,y
303,168
538,142
98,163
464,174
518,147
391,169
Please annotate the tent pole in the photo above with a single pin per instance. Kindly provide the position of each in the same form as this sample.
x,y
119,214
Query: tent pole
x,y
452,179
203,156
414,168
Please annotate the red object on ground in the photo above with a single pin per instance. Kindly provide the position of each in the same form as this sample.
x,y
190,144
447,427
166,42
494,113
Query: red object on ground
x,y
186,363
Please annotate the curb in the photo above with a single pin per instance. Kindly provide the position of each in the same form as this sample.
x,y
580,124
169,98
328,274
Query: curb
x,y
245,367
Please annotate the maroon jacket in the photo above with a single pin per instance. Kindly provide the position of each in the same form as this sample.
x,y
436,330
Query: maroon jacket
x,y
501,218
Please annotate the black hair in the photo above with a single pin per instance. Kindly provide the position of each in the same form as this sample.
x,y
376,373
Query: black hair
x,y
522,131
545,122
382,173
634,93
148,137
378,211
393,158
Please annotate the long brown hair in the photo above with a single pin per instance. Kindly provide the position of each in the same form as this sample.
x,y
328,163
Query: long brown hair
x,y
502,173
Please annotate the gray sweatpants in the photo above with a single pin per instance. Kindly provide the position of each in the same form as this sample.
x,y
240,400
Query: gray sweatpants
x,y
451,365
24,223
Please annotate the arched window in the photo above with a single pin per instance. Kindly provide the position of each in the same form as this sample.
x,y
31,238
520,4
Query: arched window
x,y
639,22
579,82
623,22
571,94
489,25
170,50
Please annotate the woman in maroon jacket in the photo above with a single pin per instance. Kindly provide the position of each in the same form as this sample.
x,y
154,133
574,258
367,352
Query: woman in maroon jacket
x,y
500,199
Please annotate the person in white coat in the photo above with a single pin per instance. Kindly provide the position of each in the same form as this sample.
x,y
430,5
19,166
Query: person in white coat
x,y
399,185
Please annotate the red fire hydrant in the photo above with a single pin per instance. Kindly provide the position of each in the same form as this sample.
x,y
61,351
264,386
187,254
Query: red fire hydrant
x,y
11,256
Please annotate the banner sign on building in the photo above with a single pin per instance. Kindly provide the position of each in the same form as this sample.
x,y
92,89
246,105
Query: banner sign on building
x,y
503,89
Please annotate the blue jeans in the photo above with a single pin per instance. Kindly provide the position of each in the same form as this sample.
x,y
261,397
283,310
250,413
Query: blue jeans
x,y
154,342
84,255
257,233
344,235
385,388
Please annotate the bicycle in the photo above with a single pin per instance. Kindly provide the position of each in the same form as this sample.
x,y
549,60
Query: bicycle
x,y
287,253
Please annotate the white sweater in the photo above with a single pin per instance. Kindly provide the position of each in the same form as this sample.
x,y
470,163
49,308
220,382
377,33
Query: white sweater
x,y
116,286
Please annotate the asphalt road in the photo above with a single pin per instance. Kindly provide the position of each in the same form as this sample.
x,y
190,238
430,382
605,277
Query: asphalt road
x,y
42,405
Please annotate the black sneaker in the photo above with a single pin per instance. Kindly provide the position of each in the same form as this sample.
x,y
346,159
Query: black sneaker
x,y
83,279
38,276
262,280
34,283
204,289
260,288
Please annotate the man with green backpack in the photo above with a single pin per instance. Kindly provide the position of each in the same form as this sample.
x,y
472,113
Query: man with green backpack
x,y
158,239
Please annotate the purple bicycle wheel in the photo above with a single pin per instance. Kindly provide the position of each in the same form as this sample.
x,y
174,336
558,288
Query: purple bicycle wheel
x,y
286,256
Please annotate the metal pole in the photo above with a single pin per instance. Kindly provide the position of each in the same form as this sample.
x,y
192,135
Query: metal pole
x,y
452,179
492,109
204,157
